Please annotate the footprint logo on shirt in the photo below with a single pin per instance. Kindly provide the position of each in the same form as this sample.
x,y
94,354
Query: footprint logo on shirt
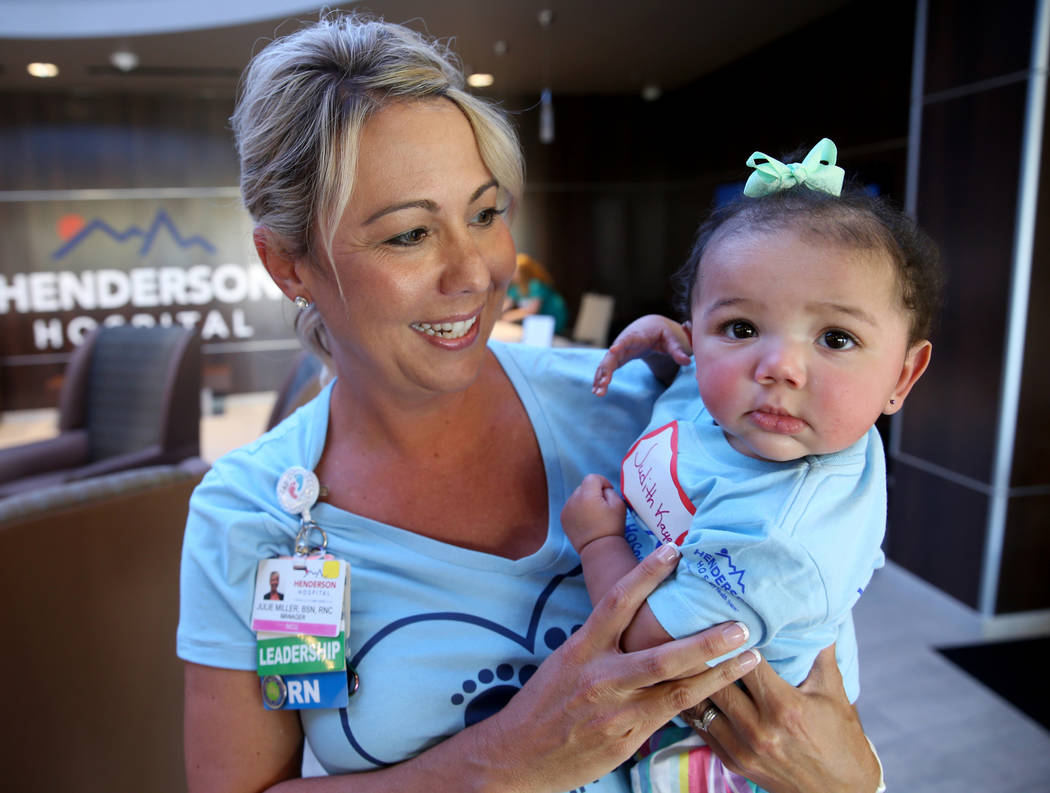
x,y
451,695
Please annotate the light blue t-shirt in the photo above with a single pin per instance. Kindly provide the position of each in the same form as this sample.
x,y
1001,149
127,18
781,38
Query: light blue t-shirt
x,y
440,636
786,548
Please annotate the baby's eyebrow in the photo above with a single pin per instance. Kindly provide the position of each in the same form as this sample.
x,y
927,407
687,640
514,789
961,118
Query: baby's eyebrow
x,y
723,303
851,311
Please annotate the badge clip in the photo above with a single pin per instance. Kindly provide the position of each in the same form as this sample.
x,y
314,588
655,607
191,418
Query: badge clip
x,y
297,491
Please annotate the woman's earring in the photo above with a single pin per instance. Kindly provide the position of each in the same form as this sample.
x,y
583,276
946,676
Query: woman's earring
x,y
301,302
892,401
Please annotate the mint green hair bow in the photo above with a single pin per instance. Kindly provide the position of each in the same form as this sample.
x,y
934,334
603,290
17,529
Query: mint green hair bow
x,y
817,172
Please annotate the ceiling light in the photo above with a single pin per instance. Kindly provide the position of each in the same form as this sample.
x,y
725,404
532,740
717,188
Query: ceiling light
x,y
480,80
42,69
651,92
125,60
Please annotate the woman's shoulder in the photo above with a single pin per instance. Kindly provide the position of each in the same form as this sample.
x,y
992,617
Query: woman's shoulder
x,y
251,471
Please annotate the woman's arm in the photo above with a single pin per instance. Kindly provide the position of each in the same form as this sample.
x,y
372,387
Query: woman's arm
x,y
586,709
231,742
794,740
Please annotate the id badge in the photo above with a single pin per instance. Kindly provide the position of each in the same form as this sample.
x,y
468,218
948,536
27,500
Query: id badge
x,y
301,613
301,617
301,595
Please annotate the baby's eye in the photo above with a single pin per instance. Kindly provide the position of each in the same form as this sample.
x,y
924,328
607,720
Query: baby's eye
x,y
838,340
739,329
413,237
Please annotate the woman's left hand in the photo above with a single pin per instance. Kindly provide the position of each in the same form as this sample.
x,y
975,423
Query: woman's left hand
x,y
792,740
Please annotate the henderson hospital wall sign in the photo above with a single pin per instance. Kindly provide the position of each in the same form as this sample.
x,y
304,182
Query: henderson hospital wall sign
x,y
70,261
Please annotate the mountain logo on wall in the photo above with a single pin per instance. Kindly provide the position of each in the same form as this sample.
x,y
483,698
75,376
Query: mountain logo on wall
x,y
75,230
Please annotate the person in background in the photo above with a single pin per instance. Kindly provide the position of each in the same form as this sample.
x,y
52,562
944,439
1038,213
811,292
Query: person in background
x,y
532,291
381,191
810,309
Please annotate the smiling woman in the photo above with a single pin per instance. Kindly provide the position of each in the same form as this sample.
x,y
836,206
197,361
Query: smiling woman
x,y
381,191
420,259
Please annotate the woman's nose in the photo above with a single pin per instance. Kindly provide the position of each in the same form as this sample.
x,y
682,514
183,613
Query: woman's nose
x,y
781,362
465,267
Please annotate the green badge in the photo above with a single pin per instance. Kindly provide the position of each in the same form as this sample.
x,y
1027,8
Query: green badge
x,y
300,654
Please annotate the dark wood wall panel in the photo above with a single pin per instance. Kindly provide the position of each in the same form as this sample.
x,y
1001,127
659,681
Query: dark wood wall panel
x,y
1024,580
936,530
55,141
971,155
1031,466
969,41
970,211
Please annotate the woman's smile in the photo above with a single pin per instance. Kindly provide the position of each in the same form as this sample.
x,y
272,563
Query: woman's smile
x,y
446,330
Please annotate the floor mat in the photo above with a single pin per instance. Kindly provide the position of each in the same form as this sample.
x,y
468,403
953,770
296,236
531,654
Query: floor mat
x,y
1015,670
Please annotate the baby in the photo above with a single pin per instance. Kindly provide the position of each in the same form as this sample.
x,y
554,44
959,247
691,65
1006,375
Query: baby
x,y
810,309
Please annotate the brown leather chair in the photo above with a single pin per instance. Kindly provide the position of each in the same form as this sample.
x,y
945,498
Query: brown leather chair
x,y
94,692
130,398
304,381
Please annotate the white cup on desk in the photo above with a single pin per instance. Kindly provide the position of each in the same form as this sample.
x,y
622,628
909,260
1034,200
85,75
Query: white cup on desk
x,y
537,330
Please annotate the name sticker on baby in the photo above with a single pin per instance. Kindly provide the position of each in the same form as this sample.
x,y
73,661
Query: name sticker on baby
x,y
301,595
649,483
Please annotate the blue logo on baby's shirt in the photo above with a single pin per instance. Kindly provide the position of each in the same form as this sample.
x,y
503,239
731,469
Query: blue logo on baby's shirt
x,y
721,573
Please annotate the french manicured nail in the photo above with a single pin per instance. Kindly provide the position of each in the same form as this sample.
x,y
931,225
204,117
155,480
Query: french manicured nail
x,y
667,553
736,632
748,659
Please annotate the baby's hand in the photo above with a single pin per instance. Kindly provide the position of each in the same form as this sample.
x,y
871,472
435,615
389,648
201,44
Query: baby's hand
x,y
653,337
594,510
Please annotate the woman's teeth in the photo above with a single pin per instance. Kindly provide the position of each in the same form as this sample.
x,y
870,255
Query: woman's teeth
x,y
446,330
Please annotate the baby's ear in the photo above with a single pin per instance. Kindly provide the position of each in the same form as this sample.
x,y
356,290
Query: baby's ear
x,y
915,363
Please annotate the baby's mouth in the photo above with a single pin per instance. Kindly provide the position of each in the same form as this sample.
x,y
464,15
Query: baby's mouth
x,y
446,330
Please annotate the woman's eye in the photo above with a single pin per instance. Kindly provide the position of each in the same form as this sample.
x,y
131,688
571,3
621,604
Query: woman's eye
x,y
838,340
739,329
413,237
487,217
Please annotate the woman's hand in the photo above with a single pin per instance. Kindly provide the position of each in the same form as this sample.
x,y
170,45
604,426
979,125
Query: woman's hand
x,y
662,343
793,740
593,510
590,706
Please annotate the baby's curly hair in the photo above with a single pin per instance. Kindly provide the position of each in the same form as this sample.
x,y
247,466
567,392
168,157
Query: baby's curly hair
x,y
856,219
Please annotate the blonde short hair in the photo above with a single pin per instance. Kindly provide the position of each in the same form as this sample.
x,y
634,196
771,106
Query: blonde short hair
x,y
303,102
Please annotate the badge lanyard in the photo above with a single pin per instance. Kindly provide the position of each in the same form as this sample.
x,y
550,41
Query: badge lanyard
x,y
301,612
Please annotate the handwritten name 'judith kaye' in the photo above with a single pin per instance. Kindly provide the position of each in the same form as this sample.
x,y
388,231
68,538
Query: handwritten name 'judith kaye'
x,y
655,515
